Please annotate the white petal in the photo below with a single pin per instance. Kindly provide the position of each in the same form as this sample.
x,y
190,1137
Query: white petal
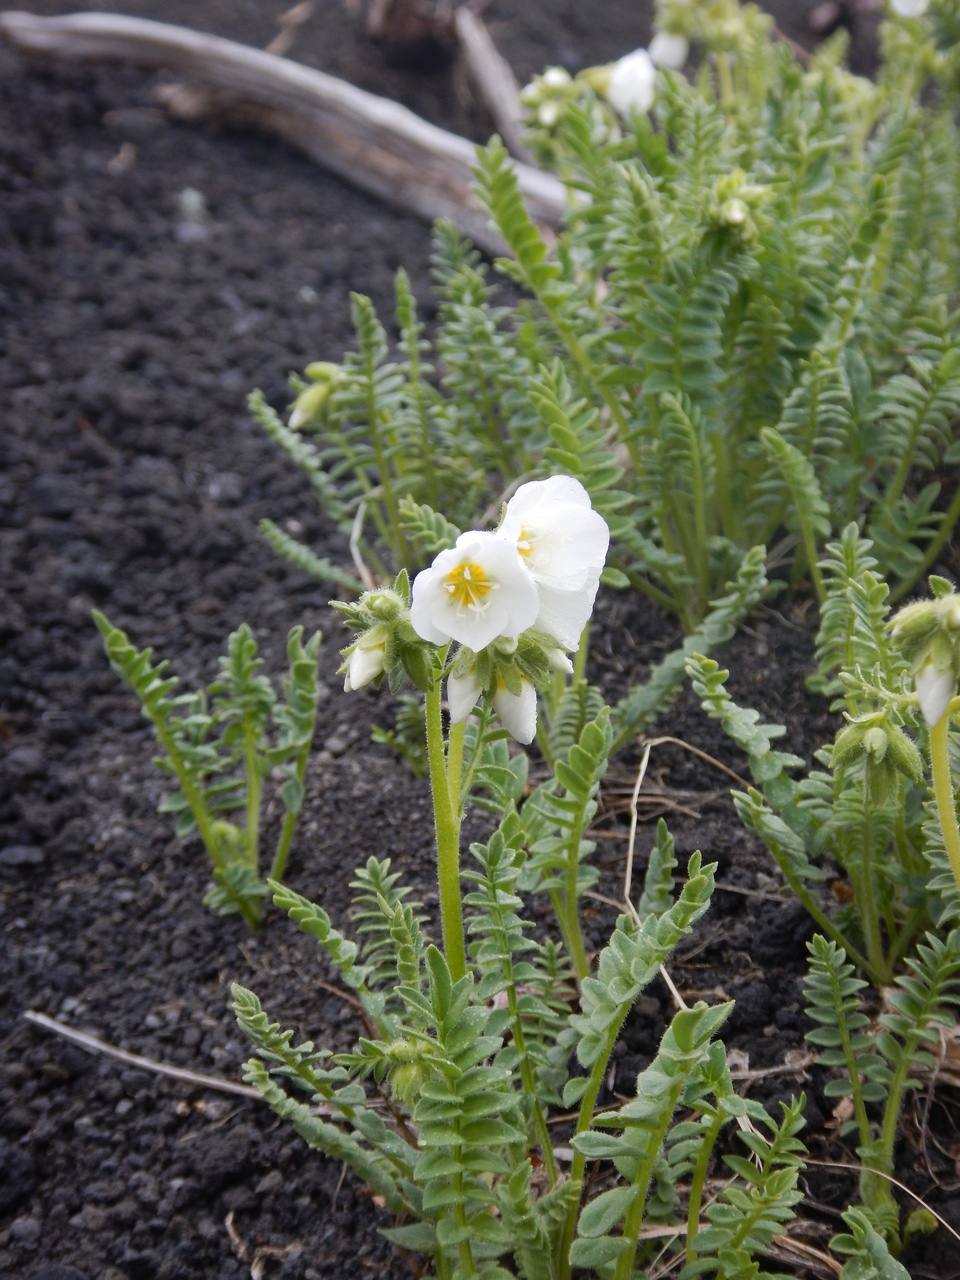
x,y
910,8
561,539
518,711
935,687
669,50
563,614
474,593
463,693
632,82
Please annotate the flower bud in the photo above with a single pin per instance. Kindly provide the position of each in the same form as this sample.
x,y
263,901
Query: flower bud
x,y
556,78
669,50
229,839
935,684
559,662
928,634
408,1068
875,742
367,659
310,405
632,83
517,711
385,604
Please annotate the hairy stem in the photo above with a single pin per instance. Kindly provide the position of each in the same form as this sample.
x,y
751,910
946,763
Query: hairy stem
x,y
254,785
943,787
447,821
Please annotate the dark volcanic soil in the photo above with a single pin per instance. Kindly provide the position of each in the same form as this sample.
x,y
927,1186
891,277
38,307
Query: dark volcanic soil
x,y
132,480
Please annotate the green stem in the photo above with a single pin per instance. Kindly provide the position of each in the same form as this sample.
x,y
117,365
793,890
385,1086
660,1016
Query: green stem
x,y
254,785
279,863
725,78
473,760
529,1083
386,485
447,820
822,919
580,660
455,768
584,1117
869,915
578,952
943,787
669,603
249,911
698,1181
467,1264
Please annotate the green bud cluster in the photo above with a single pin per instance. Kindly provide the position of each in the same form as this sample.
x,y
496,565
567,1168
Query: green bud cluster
x,y
312,404
927,633
387,644
507,662
734,203
886,751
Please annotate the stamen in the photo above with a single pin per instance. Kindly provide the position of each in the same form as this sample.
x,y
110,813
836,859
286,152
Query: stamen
x,y
469,586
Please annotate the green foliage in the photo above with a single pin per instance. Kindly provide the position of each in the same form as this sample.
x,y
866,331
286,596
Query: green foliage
x,y
215,744
875,1062
863,807
746,325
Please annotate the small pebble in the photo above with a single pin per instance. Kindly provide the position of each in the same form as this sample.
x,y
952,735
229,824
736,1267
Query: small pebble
x,y
21,855
336,744
270,1183
26,1230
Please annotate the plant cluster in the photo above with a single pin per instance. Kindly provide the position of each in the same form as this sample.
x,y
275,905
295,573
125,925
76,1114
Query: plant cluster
x,y
746,329
215,744
745,335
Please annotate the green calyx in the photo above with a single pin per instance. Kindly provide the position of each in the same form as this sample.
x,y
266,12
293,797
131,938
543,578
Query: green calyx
x,y
509,661
930,629
886,752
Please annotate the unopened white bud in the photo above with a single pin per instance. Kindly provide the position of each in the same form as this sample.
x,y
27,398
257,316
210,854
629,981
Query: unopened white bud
x,y
559,662
734,212
669,50
935,686
632,82
367,661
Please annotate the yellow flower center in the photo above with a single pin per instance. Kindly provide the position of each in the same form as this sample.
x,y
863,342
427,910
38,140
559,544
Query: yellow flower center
x,y
468,585
524,544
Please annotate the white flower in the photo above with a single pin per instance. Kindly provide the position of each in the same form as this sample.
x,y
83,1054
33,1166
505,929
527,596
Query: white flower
x,y
631,84
910,8
517,711
367,661
935,687
463,694
473,593
669,50
563,543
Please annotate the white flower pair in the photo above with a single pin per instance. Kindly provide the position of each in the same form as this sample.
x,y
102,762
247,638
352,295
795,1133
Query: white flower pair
x,y
539,570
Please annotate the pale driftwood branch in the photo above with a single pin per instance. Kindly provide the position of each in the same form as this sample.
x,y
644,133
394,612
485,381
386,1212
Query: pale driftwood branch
x,y
493,79
372,142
